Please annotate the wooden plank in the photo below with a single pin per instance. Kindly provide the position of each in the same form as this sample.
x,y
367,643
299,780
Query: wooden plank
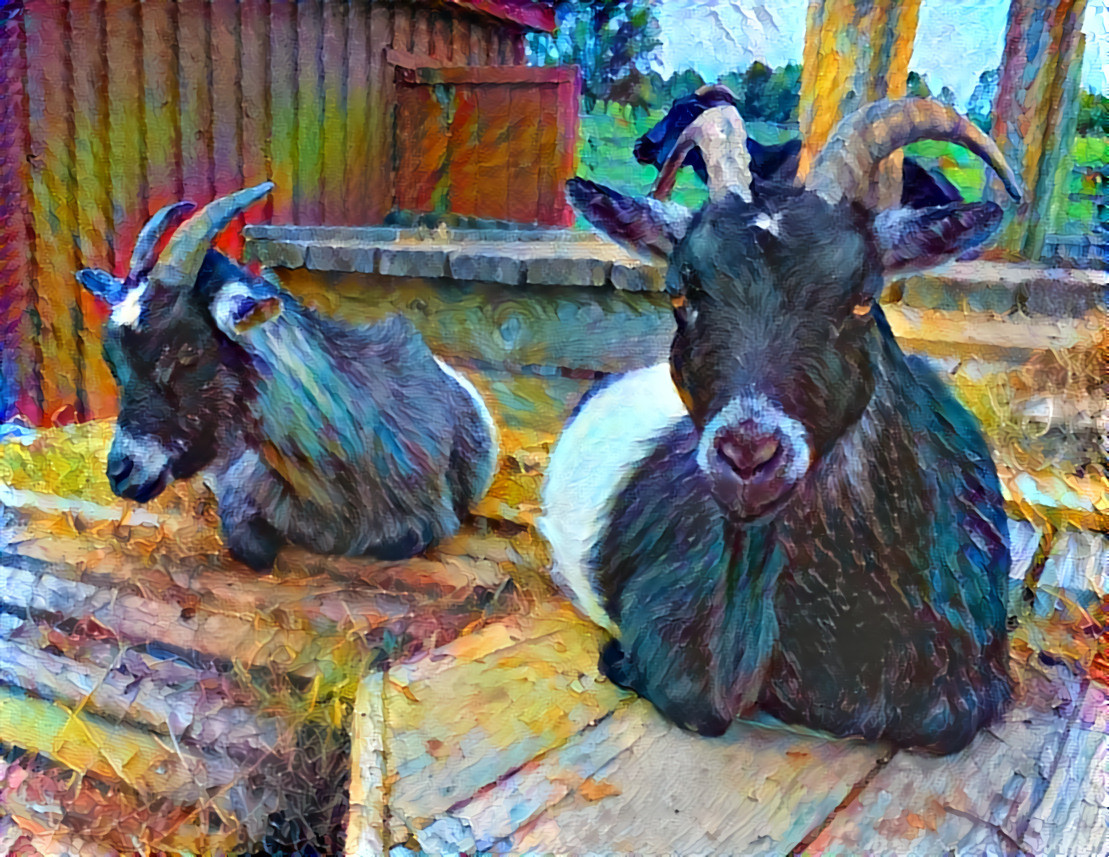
x,y
976,801
494,46
525,117
59,811
227,127
127,145
579,779
380,106
307,197
366,826
1073,816
403,23
49,84
463,153
162,104
20,391
442,46
534,16
194,74
362,81
568,122
493,815
283,99
335,74
479,43
92,190
421,178
257,123
488,75
545,659
460,40
755,790
421,30
191,709
88,744
548,209
494,119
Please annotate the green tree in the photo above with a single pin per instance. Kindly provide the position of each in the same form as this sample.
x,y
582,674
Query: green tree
x,y
980,107
606,39
1093,113
918,86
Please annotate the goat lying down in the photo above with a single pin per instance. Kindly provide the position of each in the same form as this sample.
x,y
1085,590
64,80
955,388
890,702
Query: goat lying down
x,y
790,513
340,439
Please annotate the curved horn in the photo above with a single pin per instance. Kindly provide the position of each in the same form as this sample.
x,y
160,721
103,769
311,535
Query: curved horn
x,y
184,254
722,138
846,166
143,258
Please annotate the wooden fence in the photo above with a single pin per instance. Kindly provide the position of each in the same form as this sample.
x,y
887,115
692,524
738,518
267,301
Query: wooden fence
x,y
109,109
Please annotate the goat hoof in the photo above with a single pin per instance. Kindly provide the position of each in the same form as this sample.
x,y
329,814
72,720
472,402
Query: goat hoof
x,y
255,542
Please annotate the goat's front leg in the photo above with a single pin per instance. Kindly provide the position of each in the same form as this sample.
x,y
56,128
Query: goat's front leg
x,y
251,537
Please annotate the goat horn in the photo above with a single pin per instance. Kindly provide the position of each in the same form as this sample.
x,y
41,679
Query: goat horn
x,y
180,262
846,166
143,257
722,138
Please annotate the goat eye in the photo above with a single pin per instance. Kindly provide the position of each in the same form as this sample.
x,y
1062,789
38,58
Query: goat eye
x,y
862,310
187,357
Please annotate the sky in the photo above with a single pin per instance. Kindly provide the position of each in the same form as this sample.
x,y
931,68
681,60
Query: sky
x,y
956,39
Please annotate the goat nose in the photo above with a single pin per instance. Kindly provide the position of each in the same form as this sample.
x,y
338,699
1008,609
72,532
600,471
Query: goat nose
x,y
748,450
119,468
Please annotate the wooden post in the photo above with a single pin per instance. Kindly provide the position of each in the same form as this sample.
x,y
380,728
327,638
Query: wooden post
x,y
856,51
1035,112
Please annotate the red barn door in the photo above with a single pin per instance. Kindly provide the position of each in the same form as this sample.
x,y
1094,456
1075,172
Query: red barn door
x,y
487,142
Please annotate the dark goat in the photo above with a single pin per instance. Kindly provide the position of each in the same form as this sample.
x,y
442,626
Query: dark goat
x,y
791,513
920,187
341,439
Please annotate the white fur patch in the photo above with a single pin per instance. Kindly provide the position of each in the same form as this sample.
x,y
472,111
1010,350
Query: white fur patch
x,y
126,313
490,469
148,455
614,431
225,306
769,222
752,405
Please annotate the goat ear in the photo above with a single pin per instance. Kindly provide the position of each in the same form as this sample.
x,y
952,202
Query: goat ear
x,y
237,308
924,237
641,223
103,285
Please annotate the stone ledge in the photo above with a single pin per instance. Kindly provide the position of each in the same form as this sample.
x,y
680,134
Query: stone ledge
x,y
544,257
563,257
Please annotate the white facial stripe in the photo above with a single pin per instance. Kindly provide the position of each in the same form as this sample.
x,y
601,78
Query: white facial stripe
x,y
490,468
126,313
150,457
751,406
599,449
